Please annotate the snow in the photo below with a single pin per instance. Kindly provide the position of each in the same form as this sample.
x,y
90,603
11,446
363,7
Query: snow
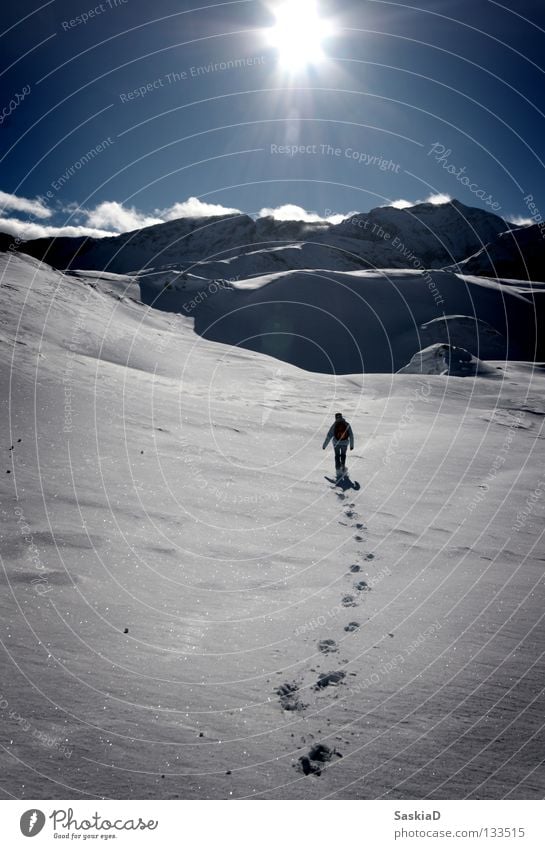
x,y
448,360
346,322
517,253
191,565
435,234
475,335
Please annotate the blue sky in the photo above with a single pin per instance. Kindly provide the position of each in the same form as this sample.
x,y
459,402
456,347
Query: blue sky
x,y
119,114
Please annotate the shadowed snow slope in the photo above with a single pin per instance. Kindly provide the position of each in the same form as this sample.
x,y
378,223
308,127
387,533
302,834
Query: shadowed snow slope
x,y
335,322
190,610
517,254
467,332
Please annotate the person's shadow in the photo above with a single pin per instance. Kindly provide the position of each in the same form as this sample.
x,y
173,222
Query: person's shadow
x,y
343,483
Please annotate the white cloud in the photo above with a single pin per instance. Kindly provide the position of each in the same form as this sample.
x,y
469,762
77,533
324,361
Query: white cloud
x,y
291,212
194,208
341,216
438,199
106,219
72,208
29,230
520,221
34,206
435,199
113,216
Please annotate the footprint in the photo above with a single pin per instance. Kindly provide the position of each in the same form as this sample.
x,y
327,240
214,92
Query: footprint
x,y
369,556
321,752
352,626
358,538
355,567
348,601
362,587
289,697
316,759
306,766
329,679
350,514
327,646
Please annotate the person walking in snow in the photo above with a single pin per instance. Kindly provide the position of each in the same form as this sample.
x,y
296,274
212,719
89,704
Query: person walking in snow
x,y
341,434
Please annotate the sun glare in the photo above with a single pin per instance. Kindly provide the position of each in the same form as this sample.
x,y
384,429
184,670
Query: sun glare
x,y
298,34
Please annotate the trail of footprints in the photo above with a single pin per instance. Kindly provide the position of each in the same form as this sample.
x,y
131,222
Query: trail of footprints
x,y
319,755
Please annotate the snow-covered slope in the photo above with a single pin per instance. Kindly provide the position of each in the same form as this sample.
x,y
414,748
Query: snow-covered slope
x,y
463,331
190,610
347,322
425,235
447,360
432,233
517,254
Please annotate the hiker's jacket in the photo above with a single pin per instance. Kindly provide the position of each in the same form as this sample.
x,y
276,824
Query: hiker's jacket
x,y
344,434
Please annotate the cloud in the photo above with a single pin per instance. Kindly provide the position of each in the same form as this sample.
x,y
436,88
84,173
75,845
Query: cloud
x,y
520,220
72,208
116,218
113,216
29,230
195,208
34,207
341,216
291,212
108,218
435,199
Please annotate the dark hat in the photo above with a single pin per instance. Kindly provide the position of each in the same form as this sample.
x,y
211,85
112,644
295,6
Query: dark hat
x,y
338,415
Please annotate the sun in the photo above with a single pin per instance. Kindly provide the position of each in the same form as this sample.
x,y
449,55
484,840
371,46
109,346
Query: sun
x,y
298,34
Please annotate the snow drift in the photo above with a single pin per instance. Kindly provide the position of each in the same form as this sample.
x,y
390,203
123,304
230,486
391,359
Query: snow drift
x,y
446,360
469,332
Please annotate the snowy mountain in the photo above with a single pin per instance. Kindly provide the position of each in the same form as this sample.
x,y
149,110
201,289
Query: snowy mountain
x,y
431,234
518,254
191,610
425,235
311,294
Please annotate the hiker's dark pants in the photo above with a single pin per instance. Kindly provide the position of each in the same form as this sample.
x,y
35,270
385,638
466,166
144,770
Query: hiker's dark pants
x,y
340,456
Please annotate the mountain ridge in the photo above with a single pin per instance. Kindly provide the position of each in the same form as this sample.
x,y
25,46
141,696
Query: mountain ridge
x,y
425,235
